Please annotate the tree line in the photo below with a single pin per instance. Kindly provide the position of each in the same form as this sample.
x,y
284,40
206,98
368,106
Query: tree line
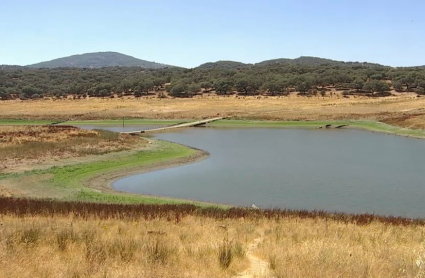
x,y
272,79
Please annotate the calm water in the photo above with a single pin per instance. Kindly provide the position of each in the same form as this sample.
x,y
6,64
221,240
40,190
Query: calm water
x,y
334,170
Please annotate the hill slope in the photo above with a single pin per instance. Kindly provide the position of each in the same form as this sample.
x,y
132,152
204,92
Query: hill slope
x,y
223,65
98,60
312,61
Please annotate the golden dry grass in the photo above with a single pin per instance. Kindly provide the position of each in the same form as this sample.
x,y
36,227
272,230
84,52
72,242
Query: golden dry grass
x,y
65,246
259,107
317,248
17,135
412,121
27,145
68,247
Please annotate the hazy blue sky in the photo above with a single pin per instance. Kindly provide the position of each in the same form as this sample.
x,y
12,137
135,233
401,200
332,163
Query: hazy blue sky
x,y
188,33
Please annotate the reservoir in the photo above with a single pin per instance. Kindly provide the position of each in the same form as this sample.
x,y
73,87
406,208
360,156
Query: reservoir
x,y
346,170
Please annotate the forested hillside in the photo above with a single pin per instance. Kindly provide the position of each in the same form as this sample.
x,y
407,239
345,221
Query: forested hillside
x,y
273,78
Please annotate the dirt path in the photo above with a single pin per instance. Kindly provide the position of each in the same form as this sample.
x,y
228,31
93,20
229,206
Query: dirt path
x,y
258,268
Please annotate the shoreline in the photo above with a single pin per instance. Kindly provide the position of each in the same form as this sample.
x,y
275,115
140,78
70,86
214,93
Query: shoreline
x,y
367,125
90,179
103,182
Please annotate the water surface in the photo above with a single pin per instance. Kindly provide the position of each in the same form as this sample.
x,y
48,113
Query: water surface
x,y
334,170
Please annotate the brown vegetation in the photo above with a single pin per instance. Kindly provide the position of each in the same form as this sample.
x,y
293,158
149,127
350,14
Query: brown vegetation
x,y
25,145
64,239
408,120
292,107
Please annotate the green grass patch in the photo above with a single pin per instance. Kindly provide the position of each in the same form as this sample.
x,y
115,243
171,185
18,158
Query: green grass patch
x,y
295,124
75,175
367,125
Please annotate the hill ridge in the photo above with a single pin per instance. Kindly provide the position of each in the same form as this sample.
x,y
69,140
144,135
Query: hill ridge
x,y
113,59
302,60
98,60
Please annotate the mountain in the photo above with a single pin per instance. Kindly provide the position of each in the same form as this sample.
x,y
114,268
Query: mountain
x,y
11,67
303,60
99,60
223,65
313,61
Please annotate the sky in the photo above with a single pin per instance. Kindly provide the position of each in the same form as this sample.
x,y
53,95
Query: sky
x,y
188,33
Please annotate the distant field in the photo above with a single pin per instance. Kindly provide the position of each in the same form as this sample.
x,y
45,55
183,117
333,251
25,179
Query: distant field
x,y
25,122
406,108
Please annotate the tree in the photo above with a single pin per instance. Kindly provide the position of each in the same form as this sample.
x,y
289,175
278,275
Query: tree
x,y
141,87
247,84
376,86
3,94
421,82
28,91
358,83
206,85
302,86
409,80
377,76
222,86
104,93
242,85
137,93
381,87
193,89
179,90
420,90
398,85
149,85
274,87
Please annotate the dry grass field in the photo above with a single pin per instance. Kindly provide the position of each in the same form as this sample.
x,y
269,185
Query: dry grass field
x,y
311,248
68,247
293,107
22,146
181,241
